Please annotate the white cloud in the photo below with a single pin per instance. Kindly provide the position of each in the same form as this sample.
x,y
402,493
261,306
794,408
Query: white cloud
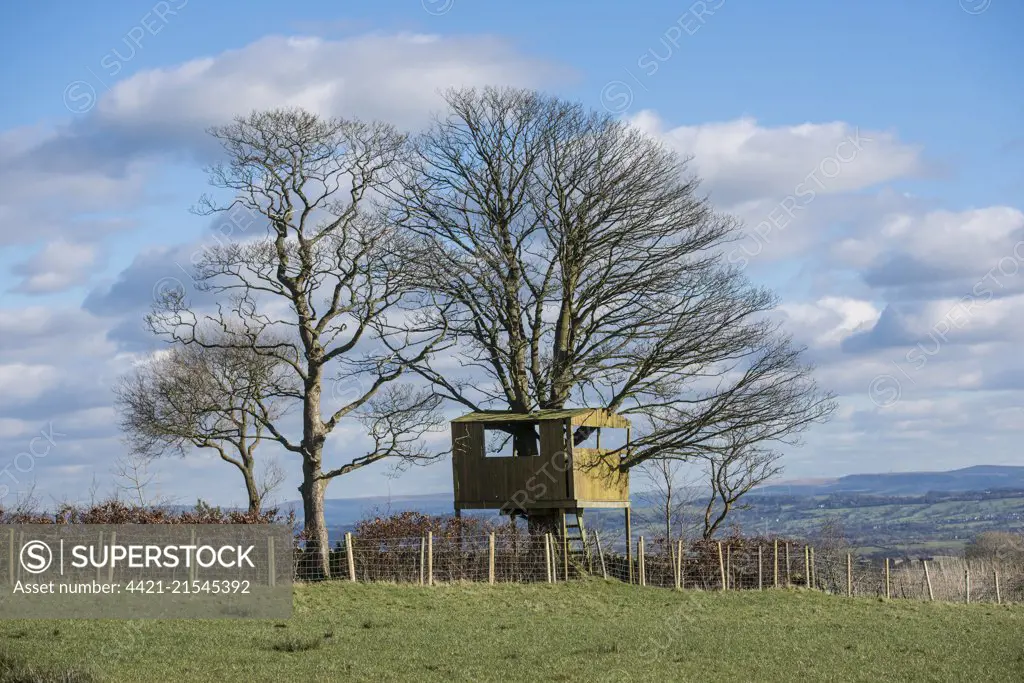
x,y
57,266
741,161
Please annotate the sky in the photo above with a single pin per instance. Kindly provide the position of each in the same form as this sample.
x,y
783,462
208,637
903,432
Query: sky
x,y
872,150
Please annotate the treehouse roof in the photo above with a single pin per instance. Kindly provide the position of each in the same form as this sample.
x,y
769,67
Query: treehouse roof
x,y
581,417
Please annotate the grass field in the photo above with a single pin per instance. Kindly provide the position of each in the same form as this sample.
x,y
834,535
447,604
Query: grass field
x,y
593,631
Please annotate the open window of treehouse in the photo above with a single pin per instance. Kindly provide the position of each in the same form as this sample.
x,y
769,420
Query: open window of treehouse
x,y
498,443
605,438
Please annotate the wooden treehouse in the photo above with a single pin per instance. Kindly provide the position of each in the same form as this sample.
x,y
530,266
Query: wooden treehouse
x,y
541,473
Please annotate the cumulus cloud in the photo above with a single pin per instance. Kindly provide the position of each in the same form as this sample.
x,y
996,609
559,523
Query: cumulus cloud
x,y
741,161
57,266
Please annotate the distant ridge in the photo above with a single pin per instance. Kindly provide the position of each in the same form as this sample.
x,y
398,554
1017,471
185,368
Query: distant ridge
x,y
974,478
342,513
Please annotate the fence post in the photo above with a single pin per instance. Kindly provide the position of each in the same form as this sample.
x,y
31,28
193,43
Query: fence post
x,y
813,582
21,544
565,546
643,568
760,569
423,557
928,580
271,563
350,557
110,568
967,585
776,563
547,555
679,566
721,565
430,558
807,565
849,575
888,593
789,576
629,545
728,565
995,575
600,554
10,553
490,559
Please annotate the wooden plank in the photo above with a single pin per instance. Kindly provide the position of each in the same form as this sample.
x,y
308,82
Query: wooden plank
x,y
807,566
600,554
596,476
849,575
888,592
995,576
928,580
967,585
760,569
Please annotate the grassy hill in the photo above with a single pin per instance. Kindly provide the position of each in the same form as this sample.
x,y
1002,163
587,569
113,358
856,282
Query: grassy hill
x,y
593,631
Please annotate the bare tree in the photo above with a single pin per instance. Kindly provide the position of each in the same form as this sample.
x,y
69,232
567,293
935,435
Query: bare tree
x,y
580,266
732,471
212,398
132,476
670,496
326,292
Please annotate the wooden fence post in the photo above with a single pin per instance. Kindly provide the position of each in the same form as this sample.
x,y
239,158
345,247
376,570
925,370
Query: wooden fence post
x,y
813,582
760,569
21,545
600,555
888,593
490,559
547,555
721,565
775,580
423,558
807,566
271,563
995,575
110,569
350,557
565,546
430,558
10,554
679,566
789,576
928,580
967,585
728,566
629,545
643,568
849,575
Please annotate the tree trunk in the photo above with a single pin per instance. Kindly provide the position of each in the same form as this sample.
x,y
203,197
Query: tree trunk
x,y
317,544
252,490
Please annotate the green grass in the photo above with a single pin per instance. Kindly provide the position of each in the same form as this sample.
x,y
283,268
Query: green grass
x,y
593,631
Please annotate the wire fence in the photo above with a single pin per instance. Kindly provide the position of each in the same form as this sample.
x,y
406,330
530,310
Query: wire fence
x,y
519,557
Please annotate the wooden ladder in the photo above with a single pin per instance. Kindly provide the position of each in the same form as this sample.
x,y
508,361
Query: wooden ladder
x,y
576,539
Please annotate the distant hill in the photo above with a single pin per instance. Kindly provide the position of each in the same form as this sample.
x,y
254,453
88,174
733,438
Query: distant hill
x,y
976,478
343,513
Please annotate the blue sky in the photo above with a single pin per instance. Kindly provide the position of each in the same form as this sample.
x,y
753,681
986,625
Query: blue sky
x,y
101,148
